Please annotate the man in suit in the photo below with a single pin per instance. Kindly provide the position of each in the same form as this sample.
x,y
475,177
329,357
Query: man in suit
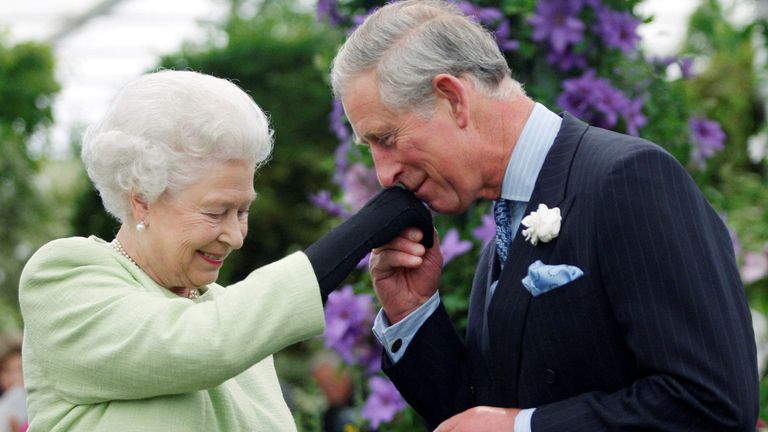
x,y
618,306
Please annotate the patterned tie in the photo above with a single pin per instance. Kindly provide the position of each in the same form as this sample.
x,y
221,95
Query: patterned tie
x,y
503,228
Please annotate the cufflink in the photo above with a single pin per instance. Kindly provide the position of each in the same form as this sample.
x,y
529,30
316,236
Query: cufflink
x,y
396,345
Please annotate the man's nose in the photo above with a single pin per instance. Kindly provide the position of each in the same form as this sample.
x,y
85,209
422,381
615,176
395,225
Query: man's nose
x,y
387,169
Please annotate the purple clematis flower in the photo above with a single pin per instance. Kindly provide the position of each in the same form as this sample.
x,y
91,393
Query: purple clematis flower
x,y
686,67
324,201
567,60
708,137
483,15
618,29
338,125
502,37
557,22
486,231
370,357
633,115
328,9
383,403
360,184
452,246
348,319
596,101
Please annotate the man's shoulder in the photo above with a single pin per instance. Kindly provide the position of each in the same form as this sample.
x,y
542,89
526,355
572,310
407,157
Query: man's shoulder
x,y
602,150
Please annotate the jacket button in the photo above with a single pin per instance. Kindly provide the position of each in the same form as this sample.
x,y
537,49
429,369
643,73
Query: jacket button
x,y
396,345
550,376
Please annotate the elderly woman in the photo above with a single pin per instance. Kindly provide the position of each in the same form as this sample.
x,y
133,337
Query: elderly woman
x,y
133,334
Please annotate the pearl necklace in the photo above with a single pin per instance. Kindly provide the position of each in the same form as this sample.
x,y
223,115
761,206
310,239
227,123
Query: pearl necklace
x,y
193,293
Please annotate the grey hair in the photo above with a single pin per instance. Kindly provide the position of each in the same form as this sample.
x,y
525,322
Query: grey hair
x,y
165,130
409,42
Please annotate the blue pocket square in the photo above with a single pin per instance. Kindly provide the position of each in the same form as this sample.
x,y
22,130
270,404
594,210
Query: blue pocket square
x,y
543,278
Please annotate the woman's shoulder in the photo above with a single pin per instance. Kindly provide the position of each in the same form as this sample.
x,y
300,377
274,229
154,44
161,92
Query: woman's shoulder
x,y
70,250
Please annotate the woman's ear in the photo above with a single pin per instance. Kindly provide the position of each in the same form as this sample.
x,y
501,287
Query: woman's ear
x,y
139,209
456,93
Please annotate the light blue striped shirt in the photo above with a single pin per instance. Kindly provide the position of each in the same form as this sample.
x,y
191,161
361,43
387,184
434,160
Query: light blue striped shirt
x,y
523,169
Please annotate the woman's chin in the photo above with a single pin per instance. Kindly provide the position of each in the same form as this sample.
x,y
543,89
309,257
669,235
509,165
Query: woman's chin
x,y
206,278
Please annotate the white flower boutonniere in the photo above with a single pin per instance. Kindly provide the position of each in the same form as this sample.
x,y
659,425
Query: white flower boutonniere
x,y
542,224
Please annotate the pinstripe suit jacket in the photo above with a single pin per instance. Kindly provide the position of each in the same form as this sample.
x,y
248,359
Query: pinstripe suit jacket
x,y
656,335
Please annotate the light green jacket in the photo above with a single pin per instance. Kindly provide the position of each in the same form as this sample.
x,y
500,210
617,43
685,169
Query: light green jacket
x,y
107,349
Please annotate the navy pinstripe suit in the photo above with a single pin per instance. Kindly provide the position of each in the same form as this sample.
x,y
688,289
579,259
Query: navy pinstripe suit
x,y
656,335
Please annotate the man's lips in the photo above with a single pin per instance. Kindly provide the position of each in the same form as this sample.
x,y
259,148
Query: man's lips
x,y
417,190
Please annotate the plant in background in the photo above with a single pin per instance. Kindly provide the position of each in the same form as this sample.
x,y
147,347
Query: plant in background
x,y
583,56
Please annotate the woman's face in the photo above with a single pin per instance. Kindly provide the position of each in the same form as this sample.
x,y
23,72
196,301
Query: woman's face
x,y
189,234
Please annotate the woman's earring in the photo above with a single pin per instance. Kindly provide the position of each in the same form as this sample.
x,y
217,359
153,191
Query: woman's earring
x,y
140,226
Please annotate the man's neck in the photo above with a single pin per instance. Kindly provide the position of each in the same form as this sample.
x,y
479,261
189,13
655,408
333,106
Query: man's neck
x,y
504,121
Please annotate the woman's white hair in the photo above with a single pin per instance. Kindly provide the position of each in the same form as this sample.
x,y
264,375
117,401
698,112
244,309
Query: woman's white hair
x,y
165,131
409,42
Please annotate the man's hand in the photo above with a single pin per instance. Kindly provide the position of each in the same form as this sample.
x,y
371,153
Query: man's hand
x,y
405,274
481,419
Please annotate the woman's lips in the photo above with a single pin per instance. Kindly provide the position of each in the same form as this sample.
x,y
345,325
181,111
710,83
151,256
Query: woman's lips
x,y
211,258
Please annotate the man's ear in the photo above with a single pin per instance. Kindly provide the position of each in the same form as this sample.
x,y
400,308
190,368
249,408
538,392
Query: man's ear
x,y
139,208
456,93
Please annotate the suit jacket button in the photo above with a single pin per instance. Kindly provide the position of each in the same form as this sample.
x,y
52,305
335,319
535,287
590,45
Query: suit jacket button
x,y
396,345
550,376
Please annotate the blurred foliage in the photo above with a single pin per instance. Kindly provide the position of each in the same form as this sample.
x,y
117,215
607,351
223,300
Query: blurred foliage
x,y
27,85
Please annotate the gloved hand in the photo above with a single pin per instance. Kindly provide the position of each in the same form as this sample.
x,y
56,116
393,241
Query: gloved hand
x,y
382,218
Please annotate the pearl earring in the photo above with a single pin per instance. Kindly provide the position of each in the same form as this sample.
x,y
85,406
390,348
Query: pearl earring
x,y
140,226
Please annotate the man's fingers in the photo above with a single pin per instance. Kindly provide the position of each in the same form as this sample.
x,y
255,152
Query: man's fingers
x,y
385,261
404,244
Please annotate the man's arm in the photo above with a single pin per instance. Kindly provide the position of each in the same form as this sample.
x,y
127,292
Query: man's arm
x,y
432,374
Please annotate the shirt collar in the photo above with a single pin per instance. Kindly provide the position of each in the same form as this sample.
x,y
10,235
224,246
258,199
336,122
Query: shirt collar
x,y
529,153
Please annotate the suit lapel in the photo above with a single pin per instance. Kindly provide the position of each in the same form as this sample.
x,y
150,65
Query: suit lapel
x,y
509,305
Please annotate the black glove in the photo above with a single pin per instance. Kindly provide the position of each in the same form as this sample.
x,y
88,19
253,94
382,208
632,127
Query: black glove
x,y
382,218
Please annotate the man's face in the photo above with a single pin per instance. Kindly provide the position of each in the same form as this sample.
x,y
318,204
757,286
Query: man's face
x,y
433,158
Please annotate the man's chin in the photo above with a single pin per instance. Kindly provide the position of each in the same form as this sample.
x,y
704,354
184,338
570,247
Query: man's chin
x,y
446,208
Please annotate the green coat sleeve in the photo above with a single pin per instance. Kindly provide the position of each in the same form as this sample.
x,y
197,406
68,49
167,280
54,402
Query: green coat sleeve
x,y
100,333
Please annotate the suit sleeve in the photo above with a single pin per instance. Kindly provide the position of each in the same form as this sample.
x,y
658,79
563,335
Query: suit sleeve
x,y
98,337
668,266
433,373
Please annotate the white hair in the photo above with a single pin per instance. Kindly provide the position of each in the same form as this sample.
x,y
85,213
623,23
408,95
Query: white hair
x,y
409,42
165,130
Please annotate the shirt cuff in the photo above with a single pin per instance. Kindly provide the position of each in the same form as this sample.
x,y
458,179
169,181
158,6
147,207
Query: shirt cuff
x,y
523,420
395,338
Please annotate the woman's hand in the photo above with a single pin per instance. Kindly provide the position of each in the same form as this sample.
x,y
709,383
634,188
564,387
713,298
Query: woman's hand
x,y
405,274
382,219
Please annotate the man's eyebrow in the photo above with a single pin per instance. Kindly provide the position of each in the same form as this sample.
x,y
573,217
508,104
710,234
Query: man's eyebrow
x,y
357,140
